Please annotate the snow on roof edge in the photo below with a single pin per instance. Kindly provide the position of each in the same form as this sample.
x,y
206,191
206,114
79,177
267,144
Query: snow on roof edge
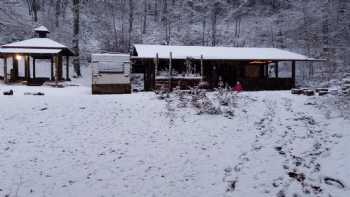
x,y
35,43
216,53
41,28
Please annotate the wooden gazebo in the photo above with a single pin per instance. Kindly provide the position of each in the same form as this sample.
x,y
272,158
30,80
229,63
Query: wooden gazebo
x,y
31,50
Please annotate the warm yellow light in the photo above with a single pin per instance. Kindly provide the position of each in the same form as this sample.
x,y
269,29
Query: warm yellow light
x,y
18,57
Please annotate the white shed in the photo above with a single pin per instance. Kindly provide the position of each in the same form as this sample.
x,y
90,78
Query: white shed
x,y
110,73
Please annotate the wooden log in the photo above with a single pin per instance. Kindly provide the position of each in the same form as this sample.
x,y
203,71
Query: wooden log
x,y
322,93
297,91
309,92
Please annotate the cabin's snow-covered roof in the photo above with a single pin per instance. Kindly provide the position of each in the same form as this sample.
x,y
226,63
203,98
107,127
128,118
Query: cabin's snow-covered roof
x,y
216,53
36,43
41,28
28,50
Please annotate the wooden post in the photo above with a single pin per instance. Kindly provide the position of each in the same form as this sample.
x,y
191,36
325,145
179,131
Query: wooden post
x,y
26,68
51,68
293,73
170,68
156,65
187,66
59,67
67,68
5,70
202,69
34,75
276,69
15,67
57,70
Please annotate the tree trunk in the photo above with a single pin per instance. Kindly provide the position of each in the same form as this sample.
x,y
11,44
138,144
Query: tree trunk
x,y
76,61
145,11
58,12
131,22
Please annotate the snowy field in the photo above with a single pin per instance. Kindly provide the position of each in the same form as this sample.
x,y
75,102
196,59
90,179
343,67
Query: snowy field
x,y
69,143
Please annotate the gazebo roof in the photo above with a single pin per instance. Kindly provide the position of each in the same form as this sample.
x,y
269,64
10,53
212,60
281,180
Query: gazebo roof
x,y
41,29
35,43
29,51
36,46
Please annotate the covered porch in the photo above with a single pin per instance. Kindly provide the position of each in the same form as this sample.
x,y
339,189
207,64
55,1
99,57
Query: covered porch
x,y
189,66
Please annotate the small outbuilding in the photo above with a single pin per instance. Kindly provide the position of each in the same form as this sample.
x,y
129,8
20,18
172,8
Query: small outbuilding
x,y
39,47
187,66
111,73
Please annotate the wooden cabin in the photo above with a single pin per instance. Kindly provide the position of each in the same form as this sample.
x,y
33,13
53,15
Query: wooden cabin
x,y
37,48
188,66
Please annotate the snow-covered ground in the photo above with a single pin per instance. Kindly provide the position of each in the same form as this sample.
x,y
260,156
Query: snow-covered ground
x,y
70,143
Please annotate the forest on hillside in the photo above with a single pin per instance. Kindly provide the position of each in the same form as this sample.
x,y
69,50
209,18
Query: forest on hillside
x,y
317,28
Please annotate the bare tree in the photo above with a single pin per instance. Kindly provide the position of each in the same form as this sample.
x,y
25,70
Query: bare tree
x,y
58,13
144,17
76,33
33,8
165,21
216,8
131,22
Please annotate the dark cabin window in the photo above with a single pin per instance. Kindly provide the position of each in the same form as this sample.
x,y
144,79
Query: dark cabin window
x,y
252,71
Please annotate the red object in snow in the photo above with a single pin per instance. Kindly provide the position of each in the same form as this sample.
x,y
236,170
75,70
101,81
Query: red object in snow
x,y
238,87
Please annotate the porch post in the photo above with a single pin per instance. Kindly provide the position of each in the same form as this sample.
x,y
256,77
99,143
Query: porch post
x,y
26,68
156,65
67,68
51,68
5,70
293,73
202,70
276,69
15,67
170,68
34,75
57,74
